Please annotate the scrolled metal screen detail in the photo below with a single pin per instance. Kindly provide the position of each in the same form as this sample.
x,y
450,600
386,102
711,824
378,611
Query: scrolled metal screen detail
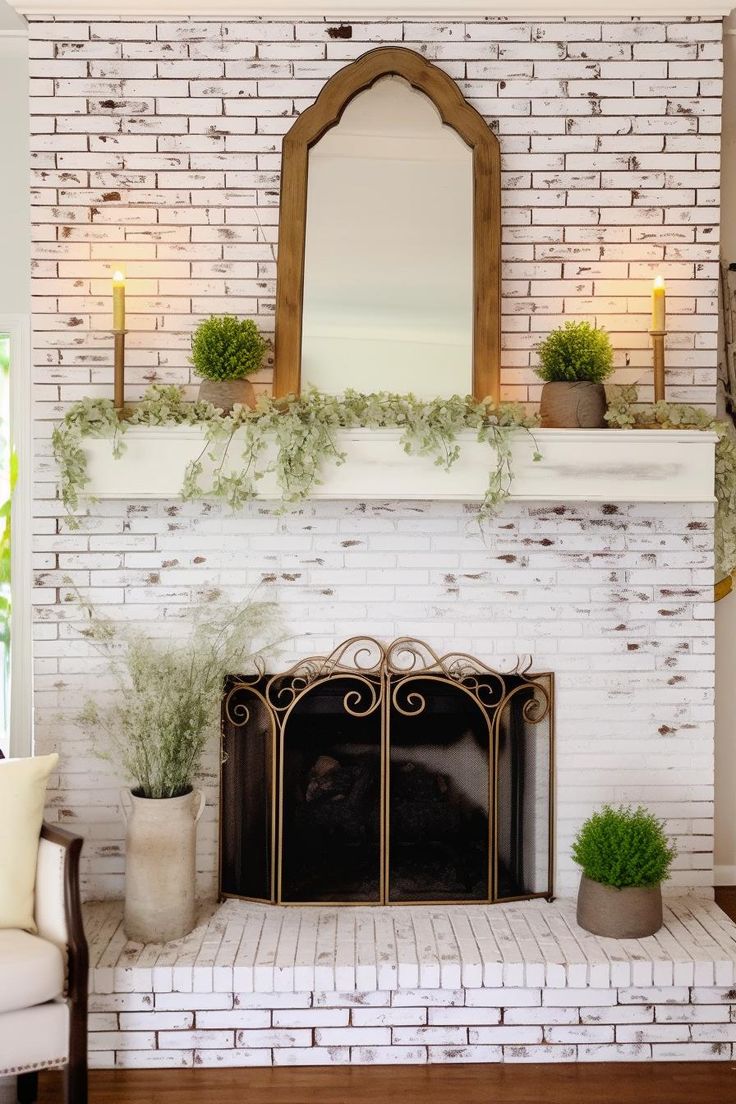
x,y
387,775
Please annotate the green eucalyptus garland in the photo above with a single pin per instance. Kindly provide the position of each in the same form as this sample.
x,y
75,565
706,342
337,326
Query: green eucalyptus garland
x,y
303,429
624,412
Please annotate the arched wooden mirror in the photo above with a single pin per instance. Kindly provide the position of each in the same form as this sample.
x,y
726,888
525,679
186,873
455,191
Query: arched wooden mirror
x,y
389,240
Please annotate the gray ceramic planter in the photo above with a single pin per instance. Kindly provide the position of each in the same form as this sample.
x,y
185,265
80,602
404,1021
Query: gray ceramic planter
x,y
577,405
629,913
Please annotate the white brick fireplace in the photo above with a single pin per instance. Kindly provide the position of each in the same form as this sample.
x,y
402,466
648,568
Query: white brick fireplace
x,y
155,143
616,600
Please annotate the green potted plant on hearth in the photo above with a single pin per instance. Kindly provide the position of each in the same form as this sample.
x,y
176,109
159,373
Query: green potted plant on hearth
x,y
574,361
625,856
225,351
156,730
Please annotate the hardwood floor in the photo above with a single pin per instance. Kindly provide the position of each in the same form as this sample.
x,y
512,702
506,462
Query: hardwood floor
x,y
625,1083
726,899
595,1083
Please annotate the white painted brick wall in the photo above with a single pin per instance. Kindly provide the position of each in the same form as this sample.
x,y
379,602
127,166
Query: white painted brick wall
x,y
595,1012
561,1034
614,600
156,145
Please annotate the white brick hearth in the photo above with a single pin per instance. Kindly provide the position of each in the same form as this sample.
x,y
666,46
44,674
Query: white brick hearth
x,y
255,986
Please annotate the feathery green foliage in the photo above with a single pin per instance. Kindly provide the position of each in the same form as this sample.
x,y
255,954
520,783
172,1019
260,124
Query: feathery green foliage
x,y
227,348
574,352
157,726
623,847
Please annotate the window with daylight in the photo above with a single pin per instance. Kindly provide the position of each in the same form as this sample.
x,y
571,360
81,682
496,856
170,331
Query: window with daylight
x,y
7,478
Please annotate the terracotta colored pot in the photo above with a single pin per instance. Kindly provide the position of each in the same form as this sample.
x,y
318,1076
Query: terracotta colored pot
x,y
225,394
629,913
578,405
160,865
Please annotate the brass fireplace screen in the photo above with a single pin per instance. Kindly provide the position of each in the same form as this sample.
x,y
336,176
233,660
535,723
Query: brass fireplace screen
x,y
387,775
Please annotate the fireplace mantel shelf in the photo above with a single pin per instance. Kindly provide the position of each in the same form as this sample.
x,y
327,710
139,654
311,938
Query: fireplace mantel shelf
x,y
576,465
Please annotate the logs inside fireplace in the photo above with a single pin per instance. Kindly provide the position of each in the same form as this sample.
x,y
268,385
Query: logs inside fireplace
x,y
387,775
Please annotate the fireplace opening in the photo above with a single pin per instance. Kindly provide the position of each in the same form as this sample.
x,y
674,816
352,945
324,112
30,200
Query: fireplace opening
x,y
331,799
387,775
438,796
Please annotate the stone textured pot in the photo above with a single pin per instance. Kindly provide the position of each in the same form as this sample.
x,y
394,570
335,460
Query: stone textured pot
x,y
225,394
628,913
160,865
576,405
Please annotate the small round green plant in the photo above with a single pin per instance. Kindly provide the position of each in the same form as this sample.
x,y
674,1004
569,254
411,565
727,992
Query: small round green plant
x,y
623,847
575,352
227,348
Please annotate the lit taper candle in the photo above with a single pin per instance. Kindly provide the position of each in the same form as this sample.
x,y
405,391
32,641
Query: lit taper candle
x,y
658,331
658,305
118,301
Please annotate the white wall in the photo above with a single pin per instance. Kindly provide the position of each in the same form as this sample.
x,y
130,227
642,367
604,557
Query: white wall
x,y
9,18
15,232
725,844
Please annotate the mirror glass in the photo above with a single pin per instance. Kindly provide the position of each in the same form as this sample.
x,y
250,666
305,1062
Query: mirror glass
x,y
388,267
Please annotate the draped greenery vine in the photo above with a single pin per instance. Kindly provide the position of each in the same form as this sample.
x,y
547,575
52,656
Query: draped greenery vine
x,y
303,430
296,437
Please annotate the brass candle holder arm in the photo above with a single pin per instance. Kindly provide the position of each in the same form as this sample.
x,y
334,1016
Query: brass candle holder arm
x,y
119,371
658,337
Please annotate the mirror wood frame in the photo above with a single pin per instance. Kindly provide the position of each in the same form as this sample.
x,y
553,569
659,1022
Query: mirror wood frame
x,y
455,112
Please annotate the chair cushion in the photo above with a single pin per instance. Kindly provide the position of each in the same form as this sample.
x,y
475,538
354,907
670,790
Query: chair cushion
x,y
22,795
36,1038
31,970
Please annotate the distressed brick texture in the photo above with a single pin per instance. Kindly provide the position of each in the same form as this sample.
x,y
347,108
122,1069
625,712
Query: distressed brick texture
x,y
616,600
156,146
547,991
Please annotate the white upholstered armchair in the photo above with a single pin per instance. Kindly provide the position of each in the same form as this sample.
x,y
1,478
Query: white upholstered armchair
x,y
43,978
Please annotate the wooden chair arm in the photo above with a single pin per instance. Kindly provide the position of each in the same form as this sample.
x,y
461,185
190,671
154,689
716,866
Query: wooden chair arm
x,y
76,942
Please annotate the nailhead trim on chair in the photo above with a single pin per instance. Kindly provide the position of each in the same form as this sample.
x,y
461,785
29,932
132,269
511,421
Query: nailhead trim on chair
x,y
52,1063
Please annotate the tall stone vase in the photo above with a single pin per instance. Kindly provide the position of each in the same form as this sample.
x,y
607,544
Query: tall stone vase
x,y
160,865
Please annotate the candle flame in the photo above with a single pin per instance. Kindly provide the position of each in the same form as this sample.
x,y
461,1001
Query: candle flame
x,y
659,281
118,278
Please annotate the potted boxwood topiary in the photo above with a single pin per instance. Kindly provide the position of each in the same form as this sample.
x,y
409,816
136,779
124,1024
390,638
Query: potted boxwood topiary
x,y
225,351
573,362
625,856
